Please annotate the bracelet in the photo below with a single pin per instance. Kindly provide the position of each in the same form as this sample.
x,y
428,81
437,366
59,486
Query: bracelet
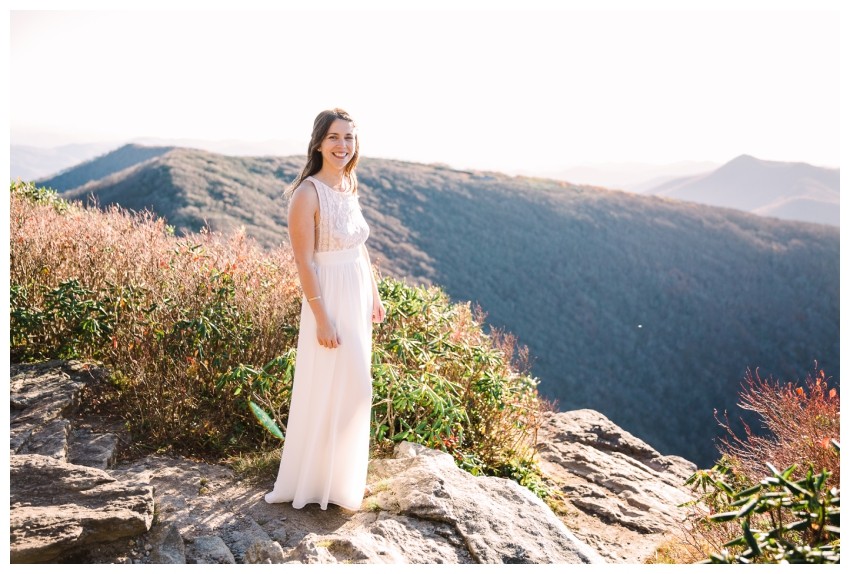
x,y
314,298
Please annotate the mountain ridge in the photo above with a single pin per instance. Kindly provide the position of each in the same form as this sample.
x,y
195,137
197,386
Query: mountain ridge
x,y
621,298
786,190
629,176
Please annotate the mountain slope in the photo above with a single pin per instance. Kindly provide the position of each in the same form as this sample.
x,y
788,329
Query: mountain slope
x,y
29,163
191,189
102,166
646,309
796,191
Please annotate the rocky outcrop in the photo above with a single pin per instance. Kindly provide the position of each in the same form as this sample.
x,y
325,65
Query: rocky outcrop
x,y
421,508
485,519
43,399
627,495
58,507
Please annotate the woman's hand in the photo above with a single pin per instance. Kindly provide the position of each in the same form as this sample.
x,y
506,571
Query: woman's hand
x,y
378,311
326,334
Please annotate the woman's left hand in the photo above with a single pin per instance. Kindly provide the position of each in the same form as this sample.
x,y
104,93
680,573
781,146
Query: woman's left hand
x,y
378,311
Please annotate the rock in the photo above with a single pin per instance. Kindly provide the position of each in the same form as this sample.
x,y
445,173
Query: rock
x,y
48,438
350,549
58,508
496,520
209,550
241,532
264,552
41,397
627,494
621,498
166,545
483,519
408,539
97,450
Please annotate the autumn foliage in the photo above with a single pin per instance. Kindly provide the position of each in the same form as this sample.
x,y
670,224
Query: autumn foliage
x,y
799,422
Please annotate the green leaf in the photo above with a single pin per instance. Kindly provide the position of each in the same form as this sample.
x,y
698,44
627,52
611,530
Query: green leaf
x,y
750,491
748,507
265,420
723,517
799,525
725,487
751,540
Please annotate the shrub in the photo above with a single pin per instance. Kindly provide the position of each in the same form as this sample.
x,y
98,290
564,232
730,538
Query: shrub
x,y
799,420
741,515
171,317
783,521
199,332
441,381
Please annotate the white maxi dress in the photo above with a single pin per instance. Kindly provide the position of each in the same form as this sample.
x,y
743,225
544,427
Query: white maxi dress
x,y
326,450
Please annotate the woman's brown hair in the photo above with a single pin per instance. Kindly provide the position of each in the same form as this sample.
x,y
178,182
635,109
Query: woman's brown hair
x,y
321,125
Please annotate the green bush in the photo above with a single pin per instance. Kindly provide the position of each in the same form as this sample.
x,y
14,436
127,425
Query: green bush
x,y
199,333
441,381
740,516
781,520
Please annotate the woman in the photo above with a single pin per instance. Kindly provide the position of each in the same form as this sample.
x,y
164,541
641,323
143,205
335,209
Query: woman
x,y
326,451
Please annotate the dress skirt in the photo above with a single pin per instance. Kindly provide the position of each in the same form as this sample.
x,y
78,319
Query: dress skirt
x,y
326,448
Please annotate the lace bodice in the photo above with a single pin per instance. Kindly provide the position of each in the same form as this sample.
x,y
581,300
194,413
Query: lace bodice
x,y
341,223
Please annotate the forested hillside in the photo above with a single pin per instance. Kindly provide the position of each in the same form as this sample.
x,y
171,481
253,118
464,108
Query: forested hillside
x,y
649,310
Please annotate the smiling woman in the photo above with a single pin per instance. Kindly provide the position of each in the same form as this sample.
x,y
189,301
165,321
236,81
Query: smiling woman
x,y
326,451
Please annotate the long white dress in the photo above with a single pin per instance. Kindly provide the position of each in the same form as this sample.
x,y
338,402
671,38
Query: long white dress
x,y
326,449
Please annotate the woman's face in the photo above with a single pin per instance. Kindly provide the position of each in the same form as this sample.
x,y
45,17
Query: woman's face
x,y
339,144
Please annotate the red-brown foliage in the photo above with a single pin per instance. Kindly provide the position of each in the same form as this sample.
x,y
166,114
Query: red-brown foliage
x,y
800,420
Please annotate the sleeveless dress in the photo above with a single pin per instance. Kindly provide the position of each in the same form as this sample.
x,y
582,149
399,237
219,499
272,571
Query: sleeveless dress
x,y
326,448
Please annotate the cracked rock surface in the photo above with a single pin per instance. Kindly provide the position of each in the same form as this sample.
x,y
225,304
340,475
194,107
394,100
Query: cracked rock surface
x,y
421,507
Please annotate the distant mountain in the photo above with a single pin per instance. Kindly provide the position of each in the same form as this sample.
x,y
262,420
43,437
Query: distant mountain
x,y
645,309
276,147
633,177
190,188
103,166
796,191
29,163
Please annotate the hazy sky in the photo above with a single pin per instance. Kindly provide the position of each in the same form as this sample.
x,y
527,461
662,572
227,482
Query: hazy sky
x,y
511,87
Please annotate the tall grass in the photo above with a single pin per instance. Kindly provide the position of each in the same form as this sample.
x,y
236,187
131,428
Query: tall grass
x,y
194,327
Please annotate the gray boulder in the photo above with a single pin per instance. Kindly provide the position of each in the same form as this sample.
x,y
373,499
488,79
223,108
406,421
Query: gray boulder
x,y
59,508
167,546
624,496
208,550
496,520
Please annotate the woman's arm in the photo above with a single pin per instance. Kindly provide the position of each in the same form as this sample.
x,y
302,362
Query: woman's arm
x,y
303,213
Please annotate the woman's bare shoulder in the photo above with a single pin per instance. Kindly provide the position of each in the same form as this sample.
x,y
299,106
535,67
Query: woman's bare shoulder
x,y
305,193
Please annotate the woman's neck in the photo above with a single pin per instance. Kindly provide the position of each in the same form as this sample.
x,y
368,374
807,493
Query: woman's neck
x,y
332,178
